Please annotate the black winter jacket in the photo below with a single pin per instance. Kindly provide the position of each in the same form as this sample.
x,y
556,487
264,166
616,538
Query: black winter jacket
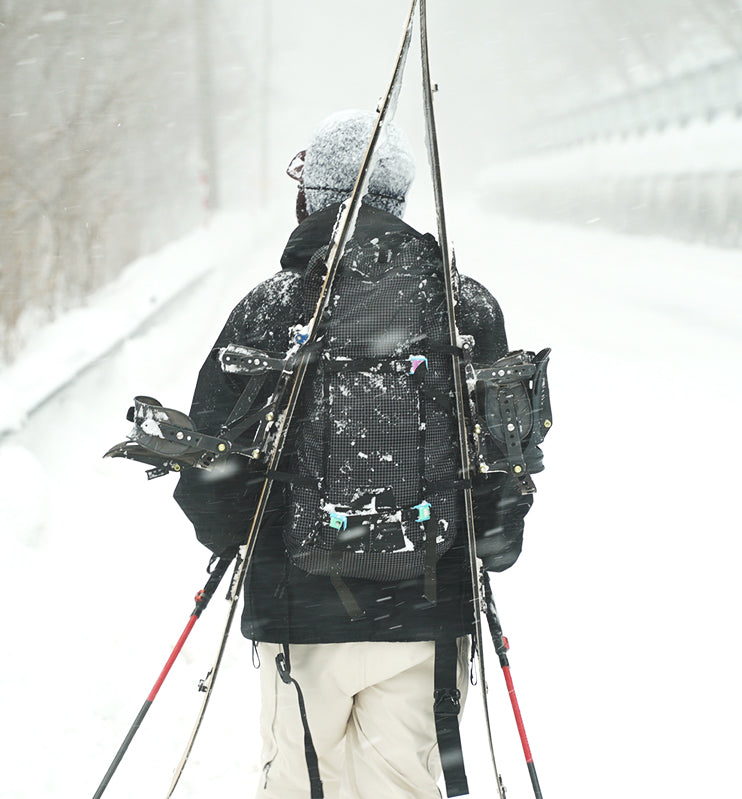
x,y
283,603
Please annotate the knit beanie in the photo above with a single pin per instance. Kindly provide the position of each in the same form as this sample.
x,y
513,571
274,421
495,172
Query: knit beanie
x,y
334,157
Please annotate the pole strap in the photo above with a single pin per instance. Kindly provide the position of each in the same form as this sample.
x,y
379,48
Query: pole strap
x,y
216,572
446,708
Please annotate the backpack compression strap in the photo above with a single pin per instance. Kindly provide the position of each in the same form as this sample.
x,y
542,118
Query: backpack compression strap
x,y
415,365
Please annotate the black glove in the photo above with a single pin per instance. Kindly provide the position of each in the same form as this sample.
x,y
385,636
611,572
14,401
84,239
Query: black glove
x,y
220,502
499,511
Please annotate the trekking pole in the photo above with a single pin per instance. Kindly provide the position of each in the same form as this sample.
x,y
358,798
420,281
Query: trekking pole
x,y
501,647
202,600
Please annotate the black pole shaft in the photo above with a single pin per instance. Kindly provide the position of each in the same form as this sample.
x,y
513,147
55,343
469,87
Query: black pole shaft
x,y
534,780
122,749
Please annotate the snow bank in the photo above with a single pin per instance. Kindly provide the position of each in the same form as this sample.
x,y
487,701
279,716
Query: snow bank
x,y
629,570
58,352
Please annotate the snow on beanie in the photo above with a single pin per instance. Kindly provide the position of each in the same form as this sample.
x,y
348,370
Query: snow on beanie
x,y
334,157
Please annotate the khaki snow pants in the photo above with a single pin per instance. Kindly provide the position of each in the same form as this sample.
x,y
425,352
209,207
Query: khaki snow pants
x,y
370,712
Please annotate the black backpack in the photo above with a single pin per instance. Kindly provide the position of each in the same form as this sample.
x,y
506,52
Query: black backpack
x,y
375,452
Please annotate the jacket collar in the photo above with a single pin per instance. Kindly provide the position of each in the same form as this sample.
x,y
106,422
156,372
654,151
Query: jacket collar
x,y
315,232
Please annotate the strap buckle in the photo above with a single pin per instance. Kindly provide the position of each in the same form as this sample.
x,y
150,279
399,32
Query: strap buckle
x,y
424,510
416,361
283,667
447,701
338,521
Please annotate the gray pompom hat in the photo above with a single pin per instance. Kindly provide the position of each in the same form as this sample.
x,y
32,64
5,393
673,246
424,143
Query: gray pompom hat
x,y
334,156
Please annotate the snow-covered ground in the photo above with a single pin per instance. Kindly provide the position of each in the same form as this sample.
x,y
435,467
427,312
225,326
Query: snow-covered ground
x,y
621,612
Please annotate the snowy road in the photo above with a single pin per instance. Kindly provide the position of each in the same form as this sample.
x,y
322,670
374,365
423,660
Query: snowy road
x,y
621,612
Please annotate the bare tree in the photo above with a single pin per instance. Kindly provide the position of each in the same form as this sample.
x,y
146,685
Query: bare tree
x,y
99,146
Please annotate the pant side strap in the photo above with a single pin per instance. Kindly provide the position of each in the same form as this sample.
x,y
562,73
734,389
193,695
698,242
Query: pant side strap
x,y
283,664
446,707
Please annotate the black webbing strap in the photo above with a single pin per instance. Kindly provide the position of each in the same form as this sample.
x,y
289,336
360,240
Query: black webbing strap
x,y
436,486
513,444
382,515
430,571
430,575
352,608
283,664
446,707
386,363
376,365
418,376
291,478
243,414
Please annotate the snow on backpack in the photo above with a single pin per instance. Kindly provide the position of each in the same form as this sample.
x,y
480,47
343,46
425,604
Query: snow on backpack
x,y
374,459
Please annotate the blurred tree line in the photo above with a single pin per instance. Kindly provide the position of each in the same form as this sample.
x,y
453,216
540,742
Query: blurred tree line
x,y
103,154
115,115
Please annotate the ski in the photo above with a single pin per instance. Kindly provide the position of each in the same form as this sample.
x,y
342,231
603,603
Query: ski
x,y
291,379
460,389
